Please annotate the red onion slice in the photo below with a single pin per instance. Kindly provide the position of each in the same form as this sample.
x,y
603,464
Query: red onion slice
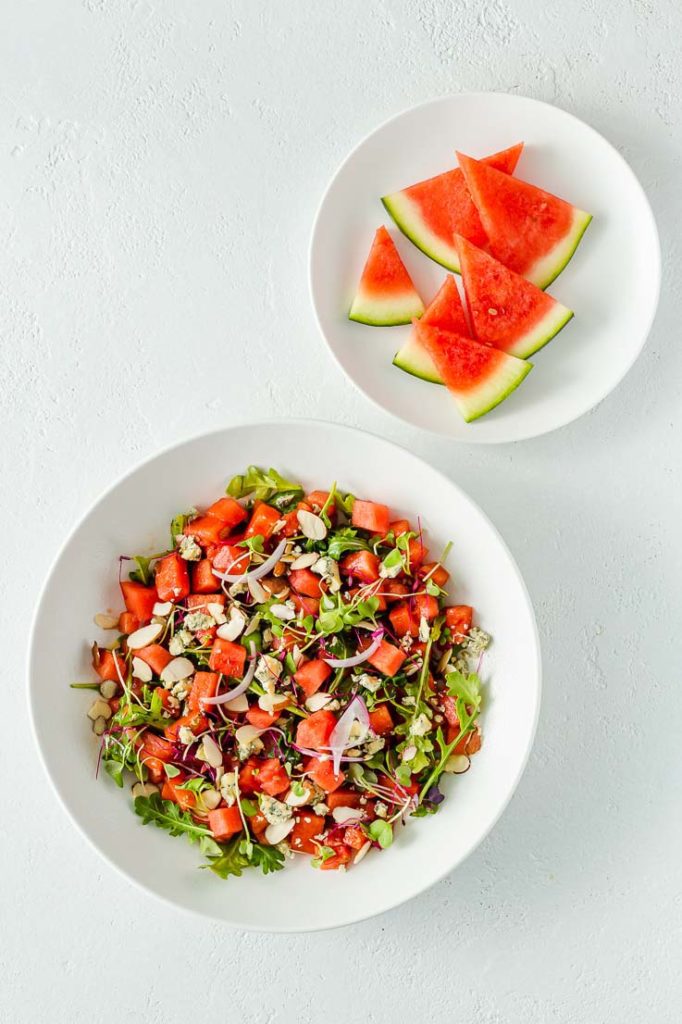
x,y
242,687
357,659
255,574
340,737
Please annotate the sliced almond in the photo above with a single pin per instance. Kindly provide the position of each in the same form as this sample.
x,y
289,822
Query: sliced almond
x,y
210,798
143,789
100,709
292,800
163,608
409,752
362,852
274,834
246,734
235,627
341,815
257,593
144,636
212,752
108,689
458,764
177,670
99,725
311,525
272,704
283,612
217,612
237,704
305,561
141,670
318,700
105,621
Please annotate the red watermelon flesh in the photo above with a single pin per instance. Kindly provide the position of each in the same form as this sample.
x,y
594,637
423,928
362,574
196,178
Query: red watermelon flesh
x,y
529,230
445,309
478,376
505,309
386,294
432,211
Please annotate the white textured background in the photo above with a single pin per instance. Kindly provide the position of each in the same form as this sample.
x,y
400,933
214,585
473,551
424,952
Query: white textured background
x,y
160,164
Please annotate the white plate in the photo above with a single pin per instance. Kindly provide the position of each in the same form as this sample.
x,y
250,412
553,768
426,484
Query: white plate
x,y
133,517
612,282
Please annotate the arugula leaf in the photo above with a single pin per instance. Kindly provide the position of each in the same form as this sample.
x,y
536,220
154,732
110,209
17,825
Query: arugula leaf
x,y
178,524
252,543
381,832
231,860
167,815
467,687
345,539
84,686
267,858
149,712
265,486
143,573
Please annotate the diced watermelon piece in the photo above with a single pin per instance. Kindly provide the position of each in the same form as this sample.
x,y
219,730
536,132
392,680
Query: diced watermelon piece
x,y
172,577
445,311
370,515
228,510
322,773
529,230
312,675
380,719
364,565
387,658
228,658
431,212
263,521
225,822
506,310
305,582
203,580
478,376
315,730
386,294
139,600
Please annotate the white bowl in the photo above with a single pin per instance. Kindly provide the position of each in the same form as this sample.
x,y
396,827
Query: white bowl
x,y
131,518
612,282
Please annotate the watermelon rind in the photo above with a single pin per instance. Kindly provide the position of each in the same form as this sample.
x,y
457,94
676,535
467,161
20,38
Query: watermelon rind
x,y
552,263
386,312
481,399
414,359
407,217
542,332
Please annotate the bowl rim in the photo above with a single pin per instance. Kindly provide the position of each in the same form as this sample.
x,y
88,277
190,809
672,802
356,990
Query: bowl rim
x,y
655,265
83,830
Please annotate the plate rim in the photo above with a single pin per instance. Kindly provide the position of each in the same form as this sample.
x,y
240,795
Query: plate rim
x,y
656,266
31,695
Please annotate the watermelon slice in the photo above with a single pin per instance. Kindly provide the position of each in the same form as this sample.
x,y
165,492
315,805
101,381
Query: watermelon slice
x,y
445,311
385,295
529,230
432,211
478,376
506,310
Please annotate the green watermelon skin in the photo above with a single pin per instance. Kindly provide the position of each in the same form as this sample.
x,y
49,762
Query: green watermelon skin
x,y
446,311
386,295
505,309
479,377
430,212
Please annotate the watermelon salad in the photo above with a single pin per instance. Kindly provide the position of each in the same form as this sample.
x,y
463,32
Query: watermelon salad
x,y
289,677
508,239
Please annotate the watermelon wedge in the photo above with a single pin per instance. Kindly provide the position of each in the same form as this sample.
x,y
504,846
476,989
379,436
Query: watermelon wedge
x,y
445,311
432,211
506,310
385,295
529,230
478,376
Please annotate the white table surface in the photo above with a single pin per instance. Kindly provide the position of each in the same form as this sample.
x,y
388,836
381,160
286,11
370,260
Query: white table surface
x,y
160,164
